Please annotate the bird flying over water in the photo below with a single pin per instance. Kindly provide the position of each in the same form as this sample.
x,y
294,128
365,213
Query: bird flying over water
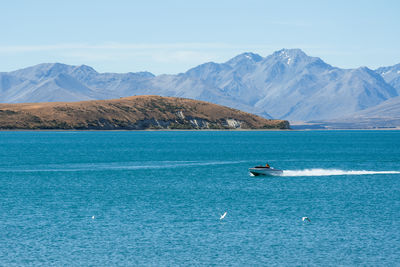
x,y
305,218
223,216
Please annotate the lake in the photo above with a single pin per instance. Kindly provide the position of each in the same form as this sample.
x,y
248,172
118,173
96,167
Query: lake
x,y
155,198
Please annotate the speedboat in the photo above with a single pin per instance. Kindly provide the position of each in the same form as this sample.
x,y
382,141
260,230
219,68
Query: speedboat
x,y
265,170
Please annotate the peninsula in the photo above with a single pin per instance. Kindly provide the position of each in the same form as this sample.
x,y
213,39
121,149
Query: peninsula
x,y
130,113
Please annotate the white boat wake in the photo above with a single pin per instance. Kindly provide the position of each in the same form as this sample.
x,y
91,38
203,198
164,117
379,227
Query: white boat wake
x,y
330,172
99,166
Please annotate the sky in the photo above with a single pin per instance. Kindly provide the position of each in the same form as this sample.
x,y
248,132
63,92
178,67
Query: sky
x,y
172,36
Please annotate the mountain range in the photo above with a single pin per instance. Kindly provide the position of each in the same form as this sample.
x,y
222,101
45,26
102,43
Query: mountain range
x,y
287,84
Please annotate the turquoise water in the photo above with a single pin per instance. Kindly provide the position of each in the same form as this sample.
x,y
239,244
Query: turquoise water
x,y
157,197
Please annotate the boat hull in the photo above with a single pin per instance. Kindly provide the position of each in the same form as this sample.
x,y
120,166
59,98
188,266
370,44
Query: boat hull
x,y
265,172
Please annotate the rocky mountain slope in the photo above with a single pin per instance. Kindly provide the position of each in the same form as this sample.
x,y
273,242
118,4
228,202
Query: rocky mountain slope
x,y
384,115
287,84
388,109
131,113
391,75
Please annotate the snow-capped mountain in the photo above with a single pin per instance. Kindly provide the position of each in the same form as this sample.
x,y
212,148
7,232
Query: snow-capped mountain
x,y
391,75
287,84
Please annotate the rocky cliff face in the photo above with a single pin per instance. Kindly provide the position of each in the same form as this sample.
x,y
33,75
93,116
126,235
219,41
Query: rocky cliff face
x,y
131,113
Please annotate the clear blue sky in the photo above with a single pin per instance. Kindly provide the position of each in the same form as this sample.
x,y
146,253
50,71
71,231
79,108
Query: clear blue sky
x,y
173,36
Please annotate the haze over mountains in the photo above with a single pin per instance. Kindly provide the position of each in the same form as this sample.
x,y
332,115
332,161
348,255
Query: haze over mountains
x,y
286,85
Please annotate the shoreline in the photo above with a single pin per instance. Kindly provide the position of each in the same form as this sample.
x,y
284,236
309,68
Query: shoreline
x,y
195,130
146,130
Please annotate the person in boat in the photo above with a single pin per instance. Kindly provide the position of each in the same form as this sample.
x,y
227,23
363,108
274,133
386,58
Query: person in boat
x,y
267,165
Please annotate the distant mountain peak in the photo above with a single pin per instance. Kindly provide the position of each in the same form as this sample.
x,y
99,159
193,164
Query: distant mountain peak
x,y
365,69
292,52
389,70
298,58
42,71
391,74
85,67
83,70
246,57
52,66
145,74
290,55
44,66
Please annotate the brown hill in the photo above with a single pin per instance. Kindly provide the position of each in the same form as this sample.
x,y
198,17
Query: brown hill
x,y
131,113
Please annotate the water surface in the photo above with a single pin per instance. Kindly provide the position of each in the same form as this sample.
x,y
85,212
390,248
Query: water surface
x,y
156,198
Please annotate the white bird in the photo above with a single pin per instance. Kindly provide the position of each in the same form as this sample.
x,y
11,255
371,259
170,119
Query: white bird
x,y
93,217
305,218
223,216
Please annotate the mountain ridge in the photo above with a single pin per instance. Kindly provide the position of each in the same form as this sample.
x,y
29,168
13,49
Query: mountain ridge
x,y
287,84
